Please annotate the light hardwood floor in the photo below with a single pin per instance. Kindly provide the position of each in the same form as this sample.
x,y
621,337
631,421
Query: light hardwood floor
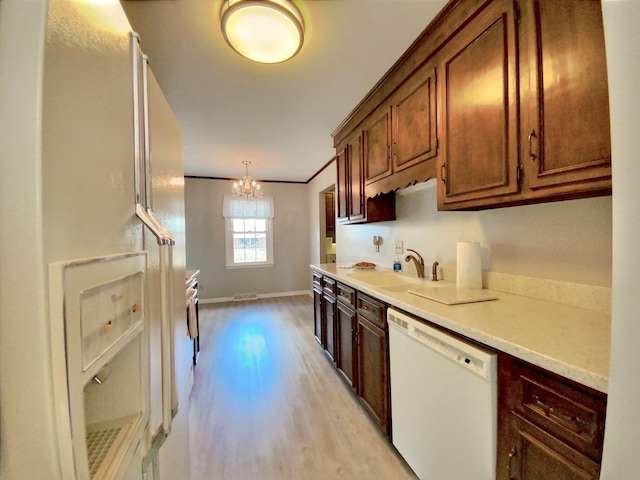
x,y
267,404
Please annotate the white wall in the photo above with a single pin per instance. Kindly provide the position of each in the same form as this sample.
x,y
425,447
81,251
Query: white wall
x,y
569,241
622,433
205,231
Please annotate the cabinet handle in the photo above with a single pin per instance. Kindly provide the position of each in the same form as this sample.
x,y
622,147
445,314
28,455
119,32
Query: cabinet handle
x,y
579,424
443,174
540,402
532,135
512,454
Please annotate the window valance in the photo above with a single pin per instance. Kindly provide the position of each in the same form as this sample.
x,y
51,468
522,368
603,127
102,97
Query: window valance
x,y
241,207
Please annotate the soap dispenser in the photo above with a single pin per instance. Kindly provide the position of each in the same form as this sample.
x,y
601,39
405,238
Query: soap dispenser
x,y
397,265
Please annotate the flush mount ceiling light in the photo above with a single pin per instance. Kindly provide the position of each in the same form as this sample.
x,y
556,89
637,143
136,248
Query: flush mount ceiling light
x,y
265,31
246,186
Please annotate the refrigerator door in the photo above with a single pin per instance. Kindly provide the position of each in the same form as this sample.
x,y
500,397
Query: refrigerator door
x,y
164,177
162,256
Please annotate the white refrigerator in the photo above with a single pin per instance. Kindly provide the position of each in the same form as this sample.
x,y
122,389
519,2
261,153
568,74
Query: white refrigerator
x,y
72,176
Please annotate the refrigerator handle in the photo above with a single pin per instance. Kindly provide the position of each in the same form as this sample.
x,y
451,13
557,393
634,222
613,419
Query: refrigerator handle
x,y
141,147
148,197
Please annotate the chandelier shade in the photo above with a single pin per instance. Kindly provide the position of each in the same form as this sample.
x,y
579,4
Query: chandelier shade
x,y
246,187
265,31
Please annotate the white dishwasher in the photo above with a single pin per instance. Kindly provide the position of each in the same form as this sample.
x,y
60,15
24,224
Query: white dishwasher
x,y
443,401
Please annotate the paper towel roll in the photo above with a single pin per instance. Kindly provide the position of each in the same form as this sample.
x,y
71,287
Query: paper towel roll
x,y
469,266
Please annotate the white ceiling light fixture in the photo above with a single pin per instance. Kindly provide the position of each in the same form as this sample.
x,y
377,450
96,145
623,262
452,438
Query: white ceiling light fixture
x,y
246,187
265,31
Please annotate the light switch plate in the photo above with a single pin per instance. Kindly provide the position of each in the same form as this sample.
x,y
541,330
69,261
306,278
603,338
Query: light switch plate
x,y
399,247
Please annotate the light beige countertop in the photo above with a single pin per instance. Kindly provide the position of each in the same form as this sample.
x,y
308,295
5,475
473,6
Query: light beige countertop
x,y
565,339
190,276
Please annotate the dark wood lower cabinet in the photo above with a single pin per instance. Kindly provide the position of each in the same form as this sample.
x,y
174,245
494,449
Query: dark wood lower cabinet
x,y
548,427
330,326
536,454
351,327
346,328
318,314
373,372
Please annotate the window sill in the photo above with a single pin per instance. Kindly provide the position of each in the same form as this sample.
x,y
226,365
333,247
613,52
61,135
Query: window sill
x,y
249,265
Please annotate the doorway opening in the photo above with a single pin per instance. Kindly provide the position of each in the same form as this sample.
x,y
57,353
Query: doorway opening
x,y
327,228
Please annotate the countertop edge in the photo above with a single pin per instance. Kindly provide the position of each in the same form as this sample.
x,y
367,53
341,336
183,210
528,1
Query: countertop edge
x,y
191,274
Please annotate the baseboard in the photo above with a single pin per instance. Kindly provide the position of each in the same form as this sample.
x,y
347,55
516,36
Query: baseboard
x,y
260,295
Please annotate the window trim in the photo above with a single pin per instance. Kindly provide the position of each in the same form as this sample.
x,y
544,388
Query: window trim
x,y
230,264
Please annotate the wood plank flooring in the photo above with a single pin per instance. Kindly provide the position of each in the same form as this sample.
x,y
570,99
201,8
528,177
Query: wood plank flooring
x,y
266,404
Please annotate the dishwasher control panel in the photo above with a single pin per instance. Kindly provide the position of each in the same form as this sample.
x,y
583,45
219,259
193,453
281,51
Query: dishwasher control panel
x,y
473,357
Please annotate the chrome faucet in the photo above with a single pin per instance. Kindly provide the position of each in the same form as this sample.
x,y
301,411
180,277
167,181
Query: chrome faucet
x,y
419,262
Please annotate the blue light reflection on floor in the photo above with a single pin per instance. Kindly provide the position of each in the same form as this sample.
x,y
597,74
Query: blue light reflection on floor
x,y
250,364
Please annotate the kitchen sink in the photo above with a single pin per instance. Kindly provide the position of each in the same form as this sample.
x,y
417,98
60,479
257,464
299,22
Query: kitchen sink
x,y
380,279
399,288
393,282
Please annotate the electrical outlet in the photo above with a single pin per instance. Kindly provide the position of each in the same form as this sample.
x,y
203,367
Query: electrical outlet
x,y
399,247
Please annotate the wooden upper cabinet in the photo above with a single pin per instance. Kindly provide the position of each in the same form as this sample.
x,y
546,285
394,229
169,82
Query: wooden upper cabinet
x,y
377,145
356,178
505,100
353,206
342,186
414,133
478,91
350,181
401,133
565,97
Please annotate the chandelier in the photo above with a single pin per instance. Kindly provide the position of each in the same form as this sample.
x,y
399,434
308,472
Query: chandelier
x,y
265,31
246,186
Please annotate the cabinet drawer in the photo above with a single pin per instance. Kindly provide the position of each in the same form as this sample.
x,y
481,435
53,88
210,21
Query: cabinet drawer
x,y
317,279
329,285
346,295
372,309
570,412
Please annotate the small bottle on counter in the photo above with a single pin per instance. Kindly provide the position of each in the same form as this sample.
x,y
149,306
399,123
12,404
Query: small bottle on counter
x,y
397,266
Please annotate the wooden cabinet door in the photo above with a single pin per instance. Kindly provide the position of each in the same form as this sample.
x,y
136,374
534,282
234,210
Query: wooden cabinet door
x,y
536,455
318,314
564,94
346,327
377,146
373,376
414,132
356,178
478,93
342,186
330,327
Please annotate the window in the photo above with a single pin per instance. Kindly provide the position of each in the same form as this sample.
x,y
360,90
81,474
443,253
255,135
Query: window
x,y
249,235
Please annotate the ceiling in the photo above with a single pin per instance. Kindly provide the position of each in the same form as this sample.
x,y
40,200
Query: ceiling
x,y
280,117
